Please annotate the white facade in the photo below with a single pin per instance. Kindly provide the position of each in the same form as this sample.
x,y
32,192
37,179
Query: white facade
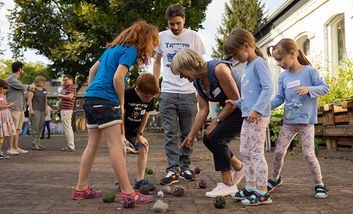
x,y
323,29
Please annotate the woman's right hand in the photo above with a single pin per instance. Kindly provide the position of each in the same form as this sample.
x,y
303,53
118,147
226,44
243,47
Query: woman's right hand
x,y
187,143
31,112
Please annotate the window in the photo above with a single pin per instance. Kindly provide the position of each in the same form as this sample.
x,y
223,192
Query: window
x,y
303,43
336,45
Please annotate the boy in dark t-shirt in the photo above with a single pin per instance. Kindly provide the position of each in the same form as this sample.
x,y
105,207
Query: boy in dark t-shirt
x,y
138,102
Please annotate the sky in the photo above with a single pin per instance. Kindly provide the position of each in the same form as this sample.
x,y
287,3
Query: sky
x,y
208,34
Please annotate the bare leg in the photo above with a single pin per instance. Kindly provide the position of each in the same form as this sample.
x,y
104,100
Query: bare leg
x,y
115,144
95,139
141,163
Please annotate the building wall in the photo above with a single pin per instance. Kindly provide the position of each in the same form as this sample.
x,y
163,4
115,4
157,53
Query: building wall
x,y
311,20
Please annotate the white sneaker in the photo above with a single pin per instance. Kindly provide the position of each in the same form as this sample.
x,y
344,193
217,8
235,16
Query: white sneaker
x,y
222,190
12,152
238,175
21,151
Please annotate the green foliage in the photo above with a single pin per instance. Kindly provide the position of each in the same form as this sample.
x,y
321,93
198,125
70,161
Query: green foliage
x,y
31,71
245,14
72,34
341,84
276,122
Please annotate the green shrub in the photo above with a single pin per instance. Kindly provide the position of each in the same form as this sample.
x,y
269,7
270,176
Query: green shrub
x,y
341,84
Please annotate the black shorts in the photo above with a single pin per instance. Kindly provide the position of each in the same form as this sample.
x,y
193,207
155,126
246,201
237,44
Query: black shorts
x,y
101,113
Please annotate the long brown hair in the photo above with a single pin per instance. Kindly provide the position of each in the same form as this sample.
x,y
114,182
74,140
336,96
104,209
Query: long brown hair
x,y
284,46
236,40
143,36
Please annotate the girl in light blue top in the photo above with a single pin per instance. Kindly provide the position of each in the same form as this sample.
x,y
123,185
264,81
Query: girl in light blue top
x,y
298,87
255,104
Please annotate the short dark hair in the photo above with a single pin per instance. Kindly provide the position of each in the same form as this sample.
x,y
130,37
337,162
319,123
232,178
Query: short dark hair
x,y
69,76
17,65
3,84
174,10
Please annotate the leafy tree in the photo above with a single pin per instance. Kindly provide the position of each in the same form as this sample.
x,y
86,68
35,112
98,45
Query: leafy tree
x,y
245,14
72,34
31,71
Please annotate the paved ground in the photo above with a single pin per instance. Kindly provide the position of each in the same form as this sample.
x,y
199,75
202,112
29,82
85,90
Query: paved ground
x,y
42,182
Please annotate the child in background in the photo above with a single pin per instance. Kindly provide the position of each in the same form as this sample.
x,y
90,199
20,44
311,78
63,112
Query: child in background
x,y
47,122
7,126
298,87
138,104
103,101
255,104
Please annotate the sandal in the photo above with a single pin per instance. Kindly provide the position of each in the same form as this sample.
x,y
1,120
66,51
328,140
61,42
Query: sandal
x,y
257,199
271,184
321,191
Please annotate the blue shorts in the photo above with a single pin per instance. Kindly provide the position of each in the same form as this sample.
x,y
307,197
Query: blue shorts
x,y
101,113
133,142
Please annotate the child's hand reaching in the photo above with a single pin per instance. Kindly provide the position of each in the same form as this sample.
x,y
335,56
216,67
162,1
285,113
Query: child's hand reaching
x,y
302,90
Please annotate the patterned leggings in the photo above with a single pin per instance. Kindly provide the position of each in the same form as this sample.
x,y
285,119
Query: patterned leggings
x,y
252,143
286,135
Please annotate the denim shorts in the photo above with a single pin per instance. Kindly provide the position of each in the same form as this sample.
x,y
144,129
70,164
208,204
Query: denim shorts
x,y
101,113
133,142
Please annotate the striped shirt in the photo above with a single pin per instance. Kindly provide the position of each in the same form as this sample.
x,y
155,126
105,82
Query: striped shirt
x,y
66,104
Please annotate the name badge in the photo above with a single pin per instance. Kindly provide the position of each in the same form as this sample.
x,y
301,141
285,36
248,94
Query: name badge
x,y
293,84
216,92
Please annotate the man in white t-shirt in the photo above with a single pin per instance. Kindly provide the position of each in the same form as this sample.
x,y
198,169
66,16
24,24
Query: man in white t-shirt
x,y
177,99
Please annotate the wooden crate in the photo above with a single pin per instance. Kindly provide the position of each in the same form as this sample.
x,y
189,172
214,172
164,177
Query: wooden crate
x,y
335,124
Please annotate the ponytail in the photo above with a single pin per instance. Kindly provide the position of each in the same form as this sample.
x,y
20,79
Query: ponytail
x,y
258,52
269,50
302,58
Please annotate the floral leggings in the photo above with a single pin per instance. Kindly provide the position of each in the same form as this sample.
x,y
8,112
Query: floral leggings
x,y
286,135
252,143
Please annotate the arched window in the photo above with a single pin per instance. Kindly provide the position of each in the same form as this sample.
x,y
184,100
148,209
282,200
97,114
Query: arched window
x,y
303,43
336,42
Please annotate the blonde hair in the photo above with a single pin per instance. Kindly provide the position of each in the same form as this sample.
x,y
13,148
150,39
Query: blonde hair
x,y
284,46
186,59
143,36
39,79
147,83
236,40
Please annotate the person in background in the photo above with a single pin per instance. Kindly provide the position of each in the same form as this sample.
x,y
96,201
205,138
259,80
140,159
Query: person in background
x,y
47,122
37,103
16,95
67,103
26,124
7,126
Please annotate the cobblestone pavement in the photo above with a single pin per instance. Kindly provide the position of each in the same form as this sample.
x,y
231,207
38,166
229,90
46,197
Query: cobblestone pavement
x,y
42,182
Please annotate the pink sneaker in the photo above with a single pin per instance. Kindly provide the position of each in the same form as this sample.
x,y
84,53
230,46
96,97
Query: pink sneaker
x,y
137,196
238,175
88,193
